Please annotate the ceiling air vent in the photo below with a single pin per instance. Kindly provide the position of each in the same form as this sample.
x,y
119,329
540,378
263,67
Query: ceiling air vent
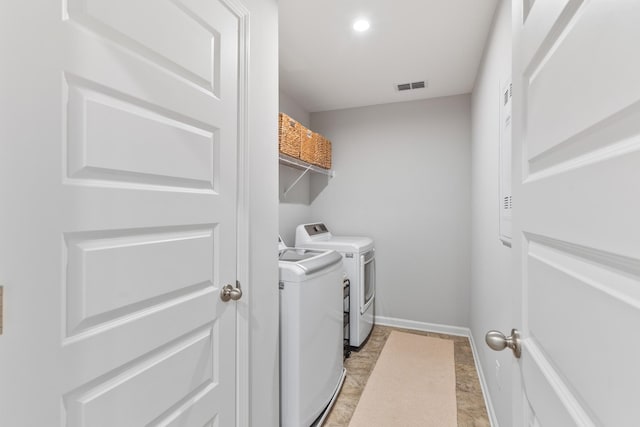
x,y
410,86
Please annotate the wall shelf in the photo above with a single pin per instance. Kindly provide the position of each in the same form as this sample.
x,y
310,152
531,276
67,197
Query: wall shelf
x,y
301,164
304,167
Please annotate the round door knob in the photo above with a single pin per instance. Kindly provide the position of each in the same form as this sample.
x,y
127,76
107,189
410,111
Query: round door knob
x,y
497,341
229,292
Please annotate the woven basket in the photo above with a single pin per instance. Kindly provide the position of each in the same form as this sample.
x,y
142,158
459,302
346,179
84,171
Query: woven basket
x,y
308,146
323,152
289,133
315,149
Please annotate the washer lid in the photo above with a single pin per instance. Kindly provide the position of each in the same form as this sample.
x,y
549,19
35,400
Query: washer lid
x,y
341,244
295,264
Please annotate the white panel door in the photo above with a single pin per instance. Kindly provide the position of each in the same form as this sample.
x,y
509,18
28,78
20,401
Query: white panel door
x,y
577,211
118,173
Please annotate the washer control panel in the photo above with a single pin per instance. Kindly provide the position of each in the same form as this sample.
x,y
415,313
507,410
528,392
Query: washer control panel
x,y
313,229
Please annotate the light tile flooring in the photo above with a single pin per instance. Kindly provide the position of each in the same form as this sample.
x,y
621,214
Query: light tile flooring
x,y
471,408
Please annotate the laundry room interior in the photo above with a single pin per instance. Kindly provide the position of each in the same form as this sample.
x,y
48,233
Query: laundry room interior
x,y
452,184
414,170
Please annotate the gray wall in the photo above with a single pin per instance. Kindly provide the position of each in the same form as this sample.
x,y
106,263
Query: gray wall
x,y
491,261
295,207
290,107
403,178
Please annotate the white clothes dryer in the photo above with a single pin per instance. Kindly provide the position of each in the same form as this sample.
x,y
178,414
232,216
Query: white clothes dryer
x,y
358,254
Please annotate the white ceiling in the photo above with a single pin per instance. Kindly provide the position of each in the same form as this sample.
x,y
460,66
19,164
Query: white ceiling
x,y
325,65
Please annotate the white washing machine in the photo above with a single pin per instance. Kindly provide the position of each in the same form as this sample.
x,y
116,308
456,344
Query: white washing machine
x,y
358,254
311,329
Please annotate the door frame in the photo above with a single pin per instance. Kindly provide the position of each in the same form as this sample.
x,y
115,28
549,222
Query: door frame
x,y
243,266
517,22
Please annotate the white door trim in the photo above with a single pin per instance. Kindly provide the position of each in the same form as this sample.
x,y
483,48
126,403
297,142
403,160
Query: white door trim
x,y
243,312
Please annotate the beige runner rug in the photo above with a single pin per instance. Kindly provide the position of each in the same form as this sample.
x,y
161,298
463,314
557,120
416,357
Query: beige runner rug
x,y
412,384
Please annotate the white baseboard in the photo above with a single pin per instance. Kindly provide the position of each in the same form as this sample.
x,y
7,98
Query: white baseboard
x,y
422,326
483,383
449,330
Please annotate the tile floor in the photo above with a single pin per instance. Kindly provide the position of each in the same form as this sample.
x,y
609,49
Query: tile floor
x,y
471,408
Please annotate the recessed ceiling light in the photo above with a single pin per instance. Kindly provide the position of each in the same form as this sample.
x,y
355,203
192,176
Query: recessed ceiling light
x,y
361,25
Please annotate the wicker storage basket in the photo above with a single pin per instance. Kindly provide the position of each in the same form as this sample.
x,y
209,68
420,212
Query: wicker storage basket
x,y
324,152
289,133
315,149
308,146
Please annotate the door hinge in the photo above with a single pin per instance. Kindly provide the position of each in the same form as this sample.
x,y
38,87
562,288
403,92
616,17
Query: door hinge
x,y
280,285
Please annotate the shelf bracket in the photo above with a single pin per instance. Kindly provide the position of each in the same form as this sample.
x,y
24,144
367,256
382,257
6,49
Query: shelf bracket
x,y
296,181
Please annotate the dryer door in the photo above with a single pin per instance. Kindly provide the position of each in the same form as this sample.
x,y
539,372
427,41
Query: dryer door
x,y
368,279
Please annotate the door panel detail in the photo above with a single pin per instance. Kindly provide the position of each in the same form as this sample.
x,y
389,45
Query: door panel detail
x,y
110,136
554,402
179,376
165,42
112,274
597,302
560,85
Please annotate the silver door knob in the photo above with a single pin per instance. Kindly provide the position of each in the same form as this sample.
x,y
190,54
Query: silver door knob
x,y
228,292
497,341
